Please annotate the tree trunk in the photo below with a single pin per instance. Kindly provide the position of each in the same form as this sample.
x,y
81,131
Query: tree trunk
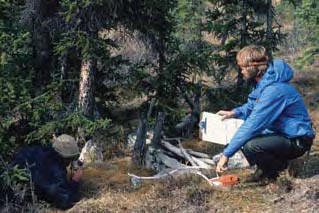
x,y
243,34
63,62
35,13
43,53
243,38
185,128
269,23
156,140
139,146
87,87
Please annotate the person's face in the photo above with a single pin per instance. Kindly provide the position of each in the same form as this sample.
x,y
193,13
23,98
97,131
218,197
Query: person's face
x,y
247,76
245,73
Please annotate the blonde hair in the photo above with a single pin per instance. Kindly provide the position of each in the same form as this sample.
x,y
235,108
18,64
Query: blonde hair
x,y
254,58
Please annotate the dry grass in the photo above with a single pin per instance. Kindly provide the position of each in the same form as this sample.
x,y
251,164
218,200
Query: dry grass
x,y
107,187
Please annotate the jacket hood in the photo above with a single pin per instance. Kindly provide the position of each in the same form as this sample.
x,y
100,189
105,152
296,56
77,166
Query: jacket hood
x,y
278,71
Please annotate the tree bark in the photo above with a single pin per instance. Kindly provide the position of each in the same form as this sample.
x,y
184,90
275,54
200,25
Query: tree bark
x,y
156,140
269,23
185,128
243,38
87,87
243,34
139,146
35,13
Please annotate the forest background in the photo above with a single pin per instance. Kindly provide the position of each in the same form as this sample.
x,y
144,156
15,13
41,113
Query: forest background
x,y
92,69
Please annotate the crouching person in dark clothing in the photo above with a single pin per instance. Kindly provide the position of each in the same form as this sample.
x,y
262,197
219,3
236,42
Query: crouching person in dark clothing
x,y
47,165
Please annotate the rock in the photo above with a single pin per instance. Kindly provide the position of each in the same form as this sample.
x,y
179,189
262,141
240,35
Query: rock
x,y
131,139
238,161
91,153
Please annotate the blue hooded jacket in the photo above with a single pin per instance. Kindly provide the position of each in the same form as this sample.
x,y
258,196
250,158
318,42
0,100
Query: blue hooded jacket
x,y
274,106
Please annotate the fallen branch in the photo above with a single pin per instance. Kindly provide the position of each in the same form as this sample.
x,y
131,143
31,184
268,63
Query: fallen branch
x,y
169,174
193,160
197,154
166,173
201,163
168,161
186,155
208,161
172,148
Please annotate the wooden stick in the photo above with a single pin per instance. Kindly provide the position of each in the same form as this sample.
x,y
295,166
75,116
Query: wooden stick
x,y
172,148
208,161
201,163
187,156
197,154
191,170
168,161
179,152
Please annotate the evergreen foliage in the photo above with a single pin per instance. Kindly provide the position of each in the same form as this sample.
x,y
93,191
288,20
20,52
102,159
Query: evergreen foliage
x,y
236,24
32,110
308,21
16,73
39,100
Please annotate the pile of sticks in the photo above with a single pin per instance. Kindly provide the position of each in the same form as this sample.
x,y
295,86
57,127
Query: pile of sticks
x,y
169,156
172,161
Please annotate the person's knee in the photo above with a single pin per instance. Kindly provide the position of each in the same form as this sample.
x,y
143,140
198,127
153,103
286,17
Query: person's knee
x,y
249,147
250,153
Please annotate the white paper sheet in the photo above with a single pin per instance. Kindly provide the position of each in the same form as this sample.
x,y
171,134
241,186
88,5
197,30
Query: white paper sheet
x,y
214,129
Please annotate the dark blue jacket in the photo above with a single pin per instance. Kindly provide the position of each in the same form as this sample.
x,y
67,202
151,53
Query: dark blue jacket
x,y
273,106
49,175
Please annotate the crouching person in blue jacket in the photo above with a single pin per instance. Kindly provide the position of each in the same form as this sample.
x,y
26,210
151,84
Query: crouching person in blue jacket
x,y
47,165
276,127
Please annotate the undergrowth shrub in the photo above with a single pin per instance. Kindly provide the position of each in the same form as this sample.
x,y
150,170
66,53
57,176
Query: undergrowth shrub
x,y
16,188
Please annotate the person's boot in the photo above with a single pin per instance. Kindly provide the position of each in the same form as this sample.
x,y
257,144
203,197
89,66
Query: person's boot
x,y
271,176
261,175
257,176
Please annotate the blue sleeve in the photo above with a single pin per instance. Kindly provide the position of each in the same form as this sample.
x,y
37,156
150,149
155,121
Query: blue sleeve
x,y
266,111
244,111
